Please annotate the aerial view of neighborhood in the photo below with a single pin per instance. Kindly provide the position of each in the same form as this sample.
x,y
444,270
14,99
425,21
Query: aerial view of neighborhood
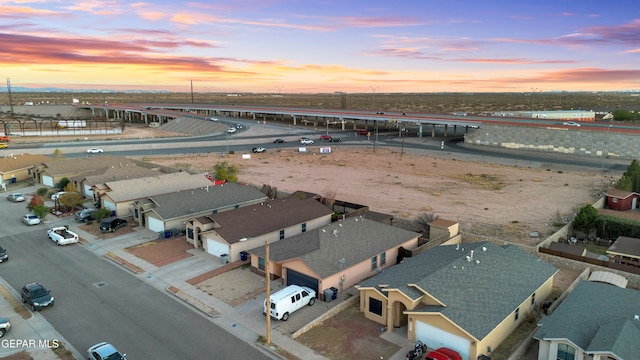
x,y
319,181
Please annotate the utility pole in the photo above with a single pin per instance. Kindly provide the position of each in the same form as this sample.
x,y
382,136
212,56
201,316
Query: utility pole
x,y
373,97
10,98
192,91
267,291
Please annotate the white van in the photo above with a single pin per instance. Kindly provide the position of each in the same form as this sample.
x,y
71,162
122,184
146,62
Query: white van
x,y
288,300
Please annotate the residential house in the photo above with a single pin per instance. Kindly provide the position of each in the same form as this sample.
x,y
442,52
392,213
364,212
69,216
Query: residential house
x,y
622,200
246,228
468,297
595,321
625,250
18,167
443,229
174,209
119,195
337,255
125,171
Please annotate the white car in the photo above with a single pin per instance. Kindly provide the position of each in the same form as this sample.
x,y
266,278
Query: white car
x,y
94,150
104,351
570,123
214,119
305,141
31,219
57,195
232,130
259,149
16,197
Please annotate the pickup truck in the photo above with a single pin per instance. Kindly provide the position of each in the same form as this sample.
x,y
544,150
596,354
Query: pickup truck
x,y
62,236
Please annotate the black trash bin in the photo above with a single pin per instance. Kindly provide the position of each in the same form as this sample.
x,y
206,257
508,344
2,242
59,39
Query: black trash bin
x,y
244,255
335,293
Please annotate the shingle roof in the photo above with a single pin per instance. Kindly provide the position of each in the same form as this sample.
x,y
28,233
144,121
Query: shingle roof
x,y
477,294
595,325
179,203
21,161
621,194
132,189
84,165
625,246
353,239
114,173
267,217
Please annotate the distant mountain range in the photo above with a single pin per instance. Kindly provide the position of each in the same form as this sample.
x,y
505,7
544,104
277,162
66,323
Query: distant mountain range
x,y
61,90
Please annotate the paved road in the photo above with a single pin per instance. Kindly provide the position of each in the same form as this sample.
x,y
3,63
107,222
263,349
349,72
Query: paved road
x,y
99,301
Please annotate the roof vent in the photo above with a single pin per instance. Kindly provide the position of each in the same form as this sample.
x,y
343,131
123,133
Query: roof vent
x,y
477,261
243,239
457,247
484,248
468,258
334,232
324,230
636,317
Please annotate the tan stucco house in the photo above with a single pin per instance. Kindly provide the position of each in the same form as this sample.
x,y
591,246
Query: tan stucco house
x,y
468,297
19,167
248,227
337,255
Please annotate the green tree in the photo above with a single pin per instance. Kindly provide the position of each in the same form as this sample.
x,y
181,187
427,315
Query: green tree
x,y
585,219
622,115
57,154
226,172
62,184
72,198
42,192
630,180
101,214
41,211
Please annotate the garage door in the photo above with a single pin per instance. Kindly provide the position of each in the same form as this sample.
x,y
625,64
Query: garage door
x,y
217,248
155,224
296,278
47,180
109,205
436,338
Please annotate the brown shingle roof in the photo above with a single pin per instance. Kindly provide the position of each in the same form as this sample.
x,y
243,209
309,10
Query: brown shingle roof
x,y
21,161
620,194
627,246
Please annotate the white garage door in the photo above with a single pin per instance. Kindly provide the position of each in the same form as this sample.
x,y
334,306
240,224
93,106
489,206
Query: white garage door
x,y
217,248
109,205
47,180
155,224
436,338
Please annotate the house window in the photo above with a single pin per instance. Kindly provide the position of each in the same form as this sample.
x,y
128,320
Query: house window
x,y
517,314
533,299
215,211
614,200
261,263
281,234
374,263
566,352
375,306
237,206
304,227
383,259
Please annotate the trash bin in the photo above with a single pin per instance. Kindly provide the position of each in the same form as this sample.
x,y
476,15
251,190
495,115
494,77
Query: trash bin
x,y
244,255
224,258
13,180
328,295
167,234
335,293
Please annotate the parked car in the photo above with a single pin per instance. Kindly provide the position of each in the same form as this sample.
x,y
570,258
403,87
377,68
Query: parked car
x,y
16,197
443,353
3,255
279,141
31,219
84,215
570,123
259,149
36,296
286,301
231,130
57,195
112,225
306,141
5,326
94,150
104,351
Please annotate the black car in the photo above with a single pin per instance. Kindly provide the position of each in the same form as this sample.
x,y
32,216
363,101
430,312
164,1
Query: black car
x,y
84,215
37,296
112,225
279,141
3,255
335,140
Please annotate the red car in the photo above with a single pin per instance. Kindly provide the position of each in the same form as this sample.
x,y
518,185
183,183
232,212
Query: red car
x,y
362,132
443,353
325,137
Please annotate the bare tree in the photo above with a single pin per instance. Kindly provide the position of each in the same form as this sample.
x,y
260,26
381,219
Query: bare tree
x,y
329,197
423,220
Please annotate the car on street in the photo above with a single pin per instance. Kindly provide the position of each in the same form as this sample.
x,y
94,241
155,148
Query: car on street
x,y
57,195
3,145
231,130
259,149
36,296
15,197
214,119
363,132
31,219
306,141
3,255
335,140
104,351
94,150
5,326
279,141
239,126
570,123
325,137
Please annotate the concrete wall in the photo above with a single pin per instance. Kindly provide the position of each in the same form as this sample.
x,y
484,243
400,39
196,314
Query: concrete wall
x,y
557,139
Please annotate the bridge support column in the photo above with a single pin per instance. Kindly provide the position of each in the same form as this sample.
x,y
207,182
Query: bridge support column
x,y
433,130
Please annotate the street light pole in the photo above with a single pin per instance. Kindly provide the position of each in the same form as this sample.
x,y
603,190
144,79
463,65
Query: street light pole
x,y
373,97
606,145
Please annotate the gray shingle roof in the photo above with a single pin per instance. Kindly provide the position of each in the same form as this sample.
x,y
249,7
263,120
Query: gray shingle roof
x,y
179,203
477,294
625,246
353,239
595,325
267,217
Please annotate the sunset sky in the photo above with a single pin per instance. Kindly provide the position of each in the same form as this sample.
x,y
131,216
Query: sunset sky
x,y
322,46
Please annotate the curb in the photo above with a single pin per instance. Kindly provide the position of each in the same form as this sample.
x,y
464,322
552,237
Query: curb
x,y
193,302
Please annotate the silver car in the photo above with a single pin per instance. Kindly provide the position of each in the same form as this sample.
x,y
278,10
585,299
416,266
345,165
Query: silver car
x,y
16,197
31,219
104,351
5,326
